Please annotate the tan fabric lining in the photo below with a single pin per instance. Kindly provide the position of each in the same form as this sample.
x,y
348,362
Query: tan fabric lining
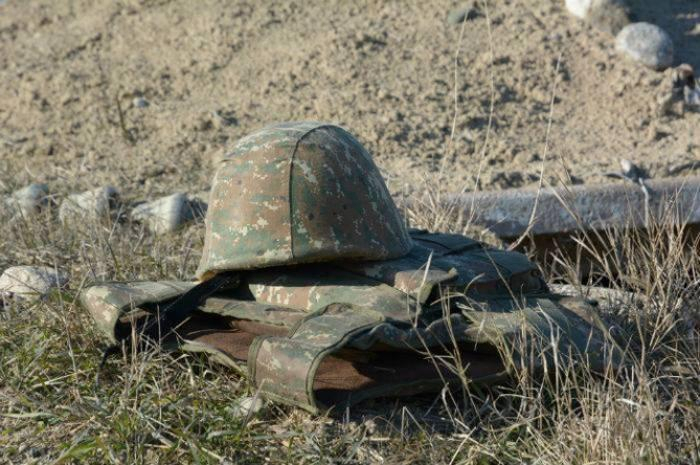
x,y
231,336
338,379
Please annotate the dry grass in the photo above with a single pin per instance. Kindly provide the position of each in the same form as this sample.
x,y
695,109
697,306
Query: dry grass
x,y
164,409
160,408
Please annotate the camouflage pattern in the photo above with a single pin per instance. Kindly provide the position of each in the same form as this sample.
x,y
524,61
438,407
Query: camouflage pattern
x,y
284,368
329,273
259,312
498,304
296,193
396,287
464,264
109,303
313,287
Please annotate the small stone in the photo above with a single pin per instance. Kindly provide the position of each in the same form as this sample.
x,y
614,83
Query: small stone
x,y
94,204
29,200
30,282
632,171
140,102
578,8
459,15
167,214
246,407
609,16
647,44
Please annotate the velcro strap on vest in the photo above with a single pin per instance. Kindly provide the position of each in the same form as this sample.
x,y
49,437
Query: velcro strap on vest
x,y
284,368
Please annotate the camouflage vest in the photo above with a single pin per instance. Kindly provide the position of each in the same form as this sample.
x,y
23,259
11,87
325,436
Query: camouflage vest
x,y
325,335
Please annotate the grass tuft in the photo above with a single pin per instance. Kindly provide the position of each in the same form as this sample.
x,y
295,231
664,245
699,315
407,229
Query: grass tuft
x,y
161,408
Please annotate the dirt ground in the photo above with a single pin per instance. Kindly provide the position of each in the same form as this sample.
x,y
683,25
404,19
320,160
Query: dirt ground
x,y
214,70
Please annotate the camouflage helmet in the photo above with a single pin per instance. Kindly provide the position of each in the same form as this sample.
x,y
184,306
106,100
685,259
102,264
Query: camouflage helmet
x,y
299,192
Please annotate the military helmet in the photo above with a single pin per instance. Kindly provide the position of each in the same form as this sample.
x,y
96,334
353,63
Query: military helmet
x,y
299,192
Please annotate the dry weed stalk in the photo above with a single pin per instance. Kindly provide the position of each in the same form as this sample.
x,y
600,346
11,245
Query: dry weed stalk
x,y
165,408
160,407
647,412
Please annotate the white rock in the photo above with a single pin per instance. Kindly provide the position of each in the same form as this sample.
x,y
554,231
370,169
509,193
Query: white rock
x,y
168,213
30,282
647,44
90,205
28,200
631,171
578,8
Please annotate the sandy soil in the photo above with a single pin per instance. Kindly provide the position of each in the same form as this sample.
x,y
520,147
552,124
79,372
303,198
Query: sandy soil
x,y
213,70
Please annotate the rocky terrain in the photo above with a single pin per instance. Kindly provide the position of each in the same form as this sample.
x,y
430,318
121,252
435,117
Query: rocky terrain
x,y
113,114
146,95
